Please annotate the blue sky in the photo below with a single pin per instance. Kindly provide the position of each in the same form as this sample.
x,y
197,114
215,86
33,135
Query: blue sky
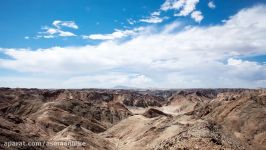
x,y
136,43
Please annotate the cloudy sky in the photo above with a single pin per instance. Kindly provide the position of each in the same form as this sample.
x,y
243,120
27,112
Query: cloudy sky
x,y
134,43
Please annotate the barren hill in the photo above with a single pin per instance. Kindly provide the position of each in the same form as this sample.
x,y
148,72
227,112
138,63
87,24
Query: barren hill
x,y
132,119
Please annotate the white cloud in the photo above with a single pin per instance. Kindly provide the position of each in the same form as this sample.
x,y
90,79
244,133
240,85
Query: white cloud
x,y
50,30
105,80
210,56
48,36
154,18
156,13
109,80
189,6
184,8
197,16
172,4
211,5
70,24
131,21
172,27
118,34
65,33
247,70
53,32
56,30
28,82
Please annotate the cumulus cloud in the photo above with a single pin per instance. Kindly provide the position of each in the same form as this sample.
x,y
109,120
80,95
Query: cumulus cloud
x,y
210,56
183,8
197,16
172,4
189,7
211,5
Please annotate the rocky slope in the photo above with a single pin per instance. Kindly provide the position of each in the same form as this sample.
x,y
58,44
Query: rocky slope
x,y
135,119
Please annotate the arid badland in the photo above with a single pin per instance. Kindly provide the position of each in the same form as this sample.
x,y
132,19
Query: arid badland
x,y
190,119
